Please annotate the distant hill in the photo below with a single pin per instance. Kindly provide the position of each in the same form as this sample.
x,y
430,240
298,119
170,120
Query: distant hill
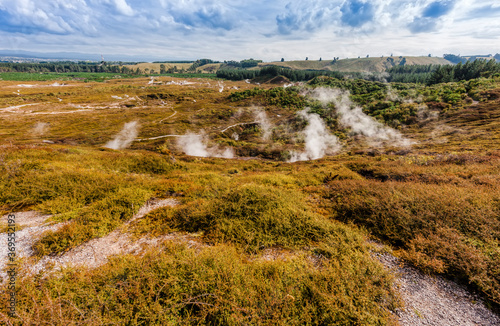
x,y
156,66
208,68
79,56
378,64
458,58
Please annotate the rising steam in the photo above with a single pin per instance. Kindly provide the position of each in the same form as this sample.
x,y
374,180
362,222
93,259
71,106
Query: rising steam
x,y
196,145
352,116
318,141
40,128
125,137
265,124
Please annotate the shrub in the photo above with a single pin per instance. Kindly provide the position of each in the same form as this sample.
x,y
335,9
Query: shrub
x,y
441,228
95,220
211,286
253,217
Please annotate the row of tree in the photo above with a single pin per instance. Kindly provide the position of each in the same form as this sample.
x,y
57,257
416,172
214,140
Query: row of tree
x,y
435,74
64,67
457,58
273,71
200,62
411,73
237,74
247,63
469,70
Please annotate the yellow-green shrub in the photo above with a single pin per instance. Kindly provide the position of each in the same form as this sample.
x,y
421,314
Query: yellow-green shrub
x,y
212,286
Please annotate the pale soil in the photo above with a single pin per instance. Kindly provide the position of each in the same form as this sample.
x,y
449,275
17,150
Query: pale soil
x,y
91,254
96,251
33,224
433,300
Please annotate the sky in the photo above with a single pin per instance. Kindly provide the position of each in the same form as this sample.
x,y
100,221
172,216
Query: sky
x,y
266,30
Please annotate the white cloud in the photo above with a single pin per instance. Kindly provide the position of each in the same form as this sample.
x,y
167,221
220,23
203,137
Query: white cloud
x,y
123,8
224,29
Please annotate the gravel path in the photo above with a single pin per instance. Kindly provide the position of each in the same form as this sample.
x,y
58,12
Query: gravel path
x,y
433,300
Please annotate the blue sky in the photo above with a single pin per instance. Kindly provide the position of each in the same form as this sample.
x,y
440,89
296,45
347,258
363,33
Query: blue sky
x,y
268,30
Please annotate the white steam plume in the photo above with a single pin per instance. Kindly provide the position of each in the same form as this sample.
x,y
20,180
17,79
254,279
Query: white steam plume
x,y
352,116
40,128
265,124
125,137
318,141
196,145
392,95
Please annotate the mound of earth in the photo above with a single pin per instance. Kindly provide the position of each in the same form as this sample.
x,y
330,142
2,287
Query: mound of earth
x,y
279,80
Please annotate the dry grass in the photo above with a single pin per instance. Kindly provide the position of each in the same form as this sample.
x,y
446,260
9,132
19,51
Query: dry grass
x,y
437,203
442,228
156,66
214,286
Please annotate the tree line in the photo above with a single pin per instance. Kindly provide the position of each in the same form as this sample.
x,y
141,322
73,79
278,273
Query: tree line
x,y
435,74
273,71
419,74
464,71
199,63
247,63
457,58
65,67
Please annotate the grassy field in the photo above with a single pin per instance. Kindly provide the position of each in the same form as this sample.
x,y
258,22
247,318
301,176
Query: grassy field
x,y
156,66
209,68
276,242
89,76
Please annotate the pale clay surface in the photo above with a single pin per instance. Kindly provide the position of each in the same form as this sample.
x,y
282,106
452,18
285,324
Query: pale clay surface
x,y
433,300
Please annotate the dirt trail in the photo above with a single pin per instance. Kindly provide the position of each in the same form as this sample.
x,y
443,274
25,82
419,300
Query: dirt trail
x,y
15,108
170,116
159,137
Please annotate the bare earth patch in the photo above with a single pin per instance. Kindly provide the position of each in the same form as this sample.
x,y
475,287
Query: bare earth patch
x,y
96,251
33,224
90,254
433,300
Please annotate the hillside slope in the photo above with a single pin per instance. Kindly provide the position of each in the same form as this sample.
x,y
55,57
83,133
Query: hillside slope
x,y
360,64
156,66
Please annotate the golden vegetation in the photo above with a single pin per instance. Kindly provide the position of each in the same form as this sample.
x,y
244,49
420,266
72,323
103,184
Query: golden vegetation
x,y
156,67
437,204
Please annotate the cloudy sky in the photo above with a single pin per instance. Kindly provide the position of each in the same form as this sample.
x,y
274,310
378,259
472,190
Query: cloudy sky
x,y
268,30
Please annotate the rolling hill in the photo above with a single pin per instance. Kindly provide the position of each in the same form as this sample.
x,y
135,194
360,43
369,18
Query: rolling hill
x,y
156,66
358,65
